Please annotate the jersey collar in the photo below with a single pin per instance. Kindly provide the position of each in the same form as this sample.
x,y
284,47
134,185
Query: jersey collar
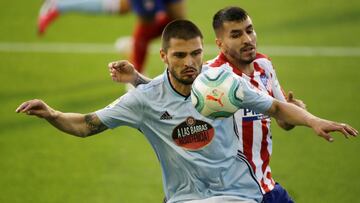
x,y
171,88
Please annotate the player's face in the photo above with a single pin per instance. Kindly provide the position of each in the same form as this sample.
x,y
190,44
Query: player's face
x,y
184,59
237,41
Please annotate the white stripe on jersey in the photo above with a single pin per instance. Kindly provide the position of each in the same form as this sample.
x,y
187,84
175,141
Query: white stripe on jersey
x,y
254,129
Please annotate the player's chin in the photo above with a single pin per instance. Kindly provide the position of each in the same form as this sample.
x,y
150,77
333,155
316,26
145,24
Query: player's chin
x,y
248,58
188,80
190,75
248,54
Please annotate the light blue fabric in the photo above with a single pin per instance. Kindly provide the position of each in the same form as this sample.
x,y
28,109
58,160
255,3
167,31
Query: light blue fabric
x,y
194,164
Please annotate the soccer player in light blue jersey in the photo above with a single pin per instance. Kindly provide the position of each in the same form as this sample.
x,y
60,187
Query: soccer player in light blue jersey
x,y
198,156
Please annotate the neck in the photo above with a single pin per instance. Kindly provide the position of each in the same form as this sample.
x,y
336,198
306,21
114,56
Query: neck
x,y
246,68
181,88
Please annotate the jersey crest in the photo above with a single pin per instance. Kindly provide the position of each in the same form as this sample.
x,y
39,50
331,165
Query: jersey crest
x,y
193,134
264,80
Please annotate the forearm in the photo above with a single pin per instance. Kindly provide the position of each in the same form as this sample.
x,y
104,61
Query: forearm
x,y
71,123
76,124
290,114
291,100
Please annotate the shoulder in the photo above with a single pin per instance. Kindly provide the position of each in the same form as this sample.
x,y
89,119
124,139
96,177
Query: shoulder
x,y
150,89
217,61
262,56
139,96
263,62
152,84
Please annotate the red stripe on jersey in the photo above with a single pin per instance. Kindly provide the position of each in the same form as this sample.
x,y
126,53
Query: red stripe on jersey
x,y
247,128
264,153
236,70
253,81
260,55
220,60
259,69
264,186
268,175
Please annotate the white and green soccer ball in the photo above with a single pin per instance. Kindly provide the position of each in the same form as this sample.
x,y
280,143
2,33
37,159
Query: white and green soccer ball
x,y
217,93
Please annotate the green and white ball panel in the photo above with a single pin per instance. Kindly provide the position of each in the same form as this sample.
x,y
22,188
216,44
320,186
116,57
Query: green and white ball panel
x,y
217,93
197,99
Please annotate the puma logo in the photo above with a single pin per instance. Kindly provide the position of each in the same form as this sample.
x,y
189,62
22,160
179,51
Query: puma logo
x,y
213,98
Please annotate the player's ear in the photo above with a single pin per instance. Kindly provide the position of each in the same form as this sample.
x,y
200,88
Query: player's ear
x,y
163,55
218,42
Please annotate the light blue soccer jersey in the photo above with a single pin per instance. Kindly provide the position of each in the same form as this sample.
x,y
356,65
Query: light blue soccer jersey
x,y
198,156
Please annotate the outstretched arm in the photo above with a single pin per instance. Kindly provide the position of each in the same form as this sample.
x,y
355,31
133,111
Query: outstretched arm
x,y
72,123
290,99
295,115
124,72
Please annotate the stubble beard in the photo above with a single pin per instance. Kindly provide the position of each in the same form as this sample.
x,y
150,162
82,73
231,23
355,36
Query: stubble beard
x,y
188,81
248,61
237,56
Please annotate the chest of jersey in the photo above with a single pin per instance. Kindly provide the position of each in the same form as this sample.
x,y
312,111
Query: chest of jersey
x,y
182,126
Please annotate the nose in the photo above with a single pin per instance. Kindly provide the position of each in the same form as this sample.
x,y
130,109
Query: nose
x,y
247,38
189,61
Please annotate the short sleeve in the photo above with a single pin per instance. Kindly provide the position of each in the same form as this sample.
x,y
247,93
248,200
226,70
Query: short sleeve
x,y
253,98
126,110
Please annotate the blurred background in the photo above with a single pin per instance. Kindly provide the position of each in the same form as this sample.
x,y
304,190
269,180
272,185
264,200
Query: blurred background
x,y
314,47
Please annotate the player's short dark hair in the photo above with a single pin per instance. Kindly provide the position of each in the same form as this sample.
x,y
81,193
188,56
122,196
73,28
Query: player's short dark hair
x,y
179,29
228,14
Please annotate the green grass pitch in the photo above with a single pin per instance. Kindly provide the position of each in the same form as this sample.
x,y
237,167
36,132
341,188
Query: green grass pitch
x,y
40,164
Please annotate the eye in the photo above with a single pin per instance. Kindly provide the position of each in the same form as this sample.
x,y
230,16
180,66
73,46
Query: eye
x,y
250,31
235,34
196,53
179,55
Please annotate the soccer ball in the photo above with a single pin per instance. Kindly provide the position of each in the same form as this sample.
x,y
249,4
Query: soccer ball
x,y
217,92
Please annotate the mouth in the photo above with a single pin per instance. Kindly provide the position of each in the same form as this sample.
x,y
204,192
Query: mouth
x,y
189,71
248,49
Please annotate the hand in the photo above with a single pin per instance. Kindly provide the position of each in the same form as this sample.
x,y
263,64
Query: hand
x,y
122,71
324,127
297,102
37,108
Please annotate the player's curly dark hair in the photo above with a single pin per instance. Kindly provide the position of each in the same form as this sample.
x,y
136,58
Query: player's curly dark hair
x,y
179,29
231,13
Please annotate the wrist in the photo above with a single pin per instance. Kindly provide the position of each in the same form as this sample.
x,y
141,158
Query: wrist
x,y
311,121
53,115
135,79
140,79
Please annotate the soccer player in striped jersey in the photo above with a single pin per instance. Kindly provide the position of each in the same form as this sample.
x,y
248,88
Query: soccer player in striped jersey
x,y
152,17
236,38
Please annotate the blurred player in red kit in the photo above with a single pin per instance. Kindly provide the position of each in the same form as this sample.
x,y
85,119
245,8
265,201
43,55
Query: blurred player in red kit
x,y
152,17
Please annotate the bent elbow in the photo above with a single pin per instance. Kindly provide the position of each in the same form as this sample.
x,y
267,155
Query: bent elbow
x,y
288,127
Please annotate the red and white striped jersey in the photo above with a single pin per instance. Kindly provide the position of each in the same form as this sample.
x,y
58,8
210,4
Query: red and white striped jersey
x,y
254,128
